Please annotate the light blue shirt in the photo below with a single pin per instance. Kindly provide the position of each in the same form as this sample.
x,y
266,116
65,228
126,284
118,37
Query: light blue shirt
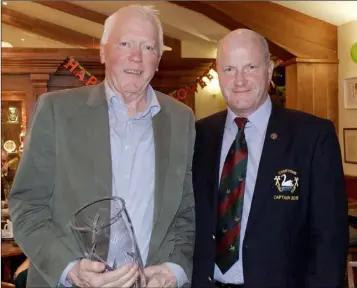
x,y
254,131
133,163
133,169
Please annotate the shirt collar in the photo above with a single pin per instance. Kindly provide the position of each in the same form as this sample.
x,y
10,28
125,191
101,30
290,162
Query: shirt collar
x,y
259,118
117,100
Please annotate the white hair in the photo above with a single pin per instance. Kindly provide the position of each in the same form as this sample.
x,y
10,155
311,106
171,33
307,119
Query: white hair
x,y
147,11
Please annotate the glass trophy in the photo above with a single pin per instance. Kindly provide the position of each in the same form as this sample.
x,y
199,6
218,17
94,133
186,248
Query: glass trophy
x,y
104,232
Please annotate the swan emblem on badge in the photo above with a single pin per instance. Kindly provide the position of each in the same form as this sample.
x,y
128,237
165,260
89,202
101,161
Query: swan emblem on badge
x,y
286,181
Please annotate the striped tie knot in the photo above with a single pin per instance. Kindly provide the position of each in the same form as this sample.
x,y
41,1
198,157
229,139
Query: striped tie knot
x,y
240,121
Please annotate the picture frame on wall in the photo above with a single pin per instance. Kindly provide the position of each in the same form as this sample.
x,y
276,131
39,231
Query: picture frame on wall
x,y
350,145
350,93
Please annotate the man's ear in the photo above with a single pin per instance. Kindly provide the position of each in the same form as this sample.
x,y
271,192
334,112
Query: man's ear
x,y
102,54
158,63
270,69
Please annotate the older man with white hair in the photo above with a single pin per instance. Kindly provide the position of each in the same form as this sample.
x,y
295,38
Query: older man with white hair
x,y
119,134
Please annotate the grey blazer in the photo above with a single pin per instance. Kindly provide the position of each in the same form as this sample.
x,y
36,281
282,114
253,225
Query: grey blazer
x,y
67,163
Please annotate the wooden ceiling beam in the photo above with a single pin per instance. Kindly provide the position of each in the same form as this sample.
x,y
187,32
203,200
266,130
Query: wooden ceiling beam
x,y
99,18
75,10
231,23
46,29
287,30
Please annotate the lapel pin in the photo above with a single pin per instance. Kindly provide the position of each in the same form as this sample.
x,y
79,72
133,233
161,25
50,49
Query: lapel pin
x,y
273,136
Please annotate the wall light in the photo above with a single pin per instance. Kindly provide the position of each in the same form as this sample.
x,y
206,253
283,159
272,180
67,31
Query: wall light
x,y
213,87
6,44
213,84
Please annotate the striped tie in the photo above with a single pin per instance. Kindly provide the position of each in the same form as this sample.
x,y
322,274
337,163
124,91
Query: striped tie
x,y
230,200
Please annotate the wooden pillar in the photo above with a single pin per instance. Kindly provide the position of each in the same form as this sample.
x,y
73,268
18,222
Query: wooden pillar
x,y
312,87
39,83
39,86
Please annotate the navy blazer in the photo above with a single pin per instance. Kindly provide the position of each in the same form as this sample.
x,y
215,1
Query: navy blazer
x,y
297,235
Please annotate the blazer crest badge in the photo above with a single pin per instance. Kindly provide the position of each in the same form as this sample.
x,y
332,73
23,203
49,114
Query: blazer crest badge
x,y
286,181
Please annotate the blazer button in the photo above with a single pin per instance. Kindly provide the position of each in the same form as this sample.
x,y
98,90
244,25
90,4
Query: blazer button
x,y
245,246
209,279
214,237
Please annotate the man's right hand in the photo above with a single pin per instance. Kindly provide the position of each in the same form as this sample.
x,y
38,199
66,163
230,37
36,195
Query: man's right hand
x,y
88,273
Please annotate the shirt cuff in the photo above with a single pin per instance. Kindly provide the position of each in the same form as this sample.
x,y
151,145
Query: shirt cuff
x,y
181,277
63,280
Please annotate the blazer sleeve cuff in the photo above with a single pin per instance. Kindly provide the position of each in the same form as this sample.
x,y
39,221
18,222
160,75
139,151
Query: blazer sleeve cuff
x,y
181,277
63,282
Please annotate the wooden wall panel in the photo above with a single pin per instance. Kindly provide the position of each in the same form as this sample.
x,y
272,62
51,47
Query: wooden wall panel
x,y
305,84
311,86
291,86
16,83
320,74
332,93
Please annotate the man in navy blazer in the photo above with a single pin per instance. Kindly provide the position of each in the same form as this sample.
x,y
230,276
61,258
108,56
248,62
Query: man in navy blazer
x,y
291,228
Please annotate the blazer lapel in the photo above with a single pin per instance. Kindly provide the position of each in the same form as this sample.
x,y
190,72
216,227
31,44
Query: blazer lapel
x,y
217,140
162,140
98,141
162,131
277,126
91,130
